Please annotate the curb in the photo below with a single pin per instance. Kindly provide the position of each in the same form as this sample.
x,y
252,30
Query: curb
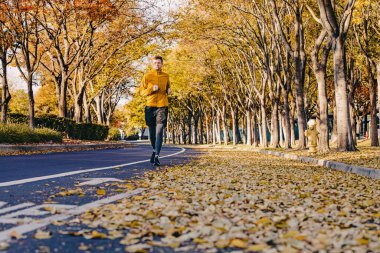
x,y
58,147
359,170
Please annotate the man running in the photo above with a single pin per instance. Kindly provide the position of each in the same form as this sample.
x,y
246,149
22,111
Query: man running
x,y
156,86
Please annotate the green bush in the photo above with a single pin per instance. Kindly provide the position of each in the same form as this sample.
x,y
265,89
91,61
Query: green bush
x,y
68,127
21,133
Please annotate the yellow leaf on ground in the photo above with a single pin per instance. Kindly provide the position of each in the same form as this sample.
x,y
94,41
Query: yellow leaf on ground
x,y
264,221
239,243
101,192
362,241
138,248
14,234
42,235
82,246
96,235
257,247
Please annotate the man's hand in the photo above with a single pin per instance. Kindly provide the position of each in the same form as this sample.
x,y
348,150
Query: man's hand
x,y
169,91
155,87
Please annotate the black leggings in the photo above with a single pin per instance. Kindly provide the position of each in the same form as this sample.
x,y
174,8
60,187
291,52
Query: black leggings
x,y
156,133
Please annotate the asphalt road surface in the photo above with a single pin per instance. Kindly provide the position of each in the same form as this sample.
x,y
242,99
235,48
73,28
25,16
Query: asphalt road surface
x,y
27,182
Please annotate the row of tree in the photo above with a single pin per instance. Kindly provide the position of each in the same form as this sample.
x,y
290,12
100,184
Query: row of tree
x,y
270,64
86,49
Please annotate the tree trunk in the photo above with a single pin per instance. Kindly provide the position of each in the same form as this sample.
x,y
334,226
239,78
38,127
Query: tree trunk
x,y
254,123
236,123
213,127
218,130
62,95
207,129
263,139
31,101
87,111
287,128
189,128
78,105
372,98
378,87
225,128
249,127
201,115
281,137
196,132
274,125
233,116
344,133
323,111
5,95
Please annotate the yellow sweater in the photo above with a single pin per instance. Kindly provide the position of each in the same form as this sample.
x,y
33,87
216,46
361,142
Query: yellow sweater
x,y
155,98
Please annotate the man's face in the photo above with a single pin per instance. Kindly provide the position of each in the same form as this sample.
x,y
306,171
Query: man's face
x,y
157,64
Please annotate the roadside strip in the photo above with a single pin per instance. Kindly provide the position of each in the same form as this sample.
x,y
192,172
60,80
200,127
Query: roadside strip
x,y
359,170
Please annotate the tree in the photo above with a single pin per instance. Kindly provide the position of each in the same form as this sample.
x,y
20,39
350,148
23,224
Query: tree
x,y
337,30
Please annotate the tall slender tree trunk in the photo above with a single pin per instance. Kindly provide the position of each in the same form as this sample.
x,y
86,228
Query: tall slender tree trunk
x,y
225,128
274,125
378,86
281,124
233,116
201,115
218,131
254,130
213,127
249,127
5,95
372,98
31,101
87,111
62,94
319,68
323,111
207,128
287,128
189,128
236,123
263,139
344,134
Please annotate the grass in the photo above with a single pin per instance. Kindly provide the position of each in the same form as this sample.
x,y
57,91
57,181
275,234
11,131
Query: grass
x,y
18,133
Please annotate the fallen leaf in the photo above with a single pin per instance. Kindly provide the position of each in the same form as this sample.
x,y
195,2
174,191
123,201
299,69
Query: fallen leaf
x,y
101,192
41,235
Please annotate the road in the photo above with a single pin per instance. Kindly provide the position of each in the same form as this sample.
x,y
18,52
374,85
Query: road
x,y
29,185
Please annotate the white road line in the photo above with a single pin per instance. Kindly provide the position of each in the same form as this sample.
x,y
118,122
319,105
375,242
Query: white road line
x,y
34,179
16,207
36,224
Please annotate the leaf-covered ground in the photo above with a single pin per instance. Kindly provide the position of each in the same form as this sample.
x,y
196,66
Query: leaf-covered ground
x,y
244,201
366,155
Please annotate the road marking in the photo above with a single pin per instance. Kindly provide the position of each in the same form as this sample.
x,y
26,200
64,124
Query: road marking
x,y
16,207
36,224
96,181
36,210
34,179
2,203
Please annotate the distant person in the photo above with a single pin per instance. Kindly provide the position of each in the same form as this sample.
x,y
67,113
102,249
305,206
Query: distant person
x,y
155,86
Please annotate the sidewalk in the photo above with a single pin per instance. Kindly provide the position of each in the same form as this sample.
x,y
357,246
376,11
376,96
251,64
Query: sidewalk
x,y
359,170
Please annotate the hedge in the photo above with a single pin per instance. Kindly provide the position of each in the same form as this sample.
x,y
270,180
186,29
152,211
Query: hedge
x,y
21,133
71,129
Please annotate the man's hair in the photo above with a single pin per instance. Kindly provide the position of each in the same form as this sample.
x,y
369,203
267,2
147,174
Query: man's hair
x,y
157,57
